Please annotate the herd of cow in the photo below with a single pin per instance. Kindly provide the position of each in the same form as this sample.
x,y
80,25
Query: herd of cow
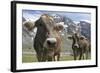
x,y
47,42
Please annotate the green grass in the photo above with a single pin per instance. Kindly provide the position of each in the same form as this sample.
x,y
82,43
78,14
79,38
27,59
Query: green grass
x,y
29,58
66,58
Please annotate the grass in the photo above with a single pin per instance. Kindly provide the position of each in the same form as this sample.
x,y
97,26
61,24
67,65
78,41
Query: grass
x,y
29,58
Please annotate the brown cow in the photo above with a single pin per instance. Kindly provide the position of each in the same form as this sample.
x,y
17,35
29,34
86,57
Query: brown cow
x,y
54,50
80,46
47,42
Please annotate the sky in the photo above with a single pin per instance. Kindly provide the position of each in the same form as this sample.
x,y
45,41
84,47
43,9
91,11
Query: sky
x,y
75,16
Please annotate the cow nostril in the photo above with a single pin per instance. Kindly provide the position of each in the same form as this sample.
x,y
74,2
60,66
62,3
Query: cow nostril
x,y
48,42
51,42
76,46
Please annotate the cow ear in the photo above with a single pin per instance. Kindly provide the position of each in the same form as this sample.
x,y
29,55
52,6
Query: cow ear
x,y
82,38
59,27
70,37
29,25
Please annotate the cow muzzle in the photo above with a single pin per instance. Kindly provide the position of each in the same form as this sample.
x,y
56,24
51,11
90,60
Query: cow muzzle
x,y
51,42
76,46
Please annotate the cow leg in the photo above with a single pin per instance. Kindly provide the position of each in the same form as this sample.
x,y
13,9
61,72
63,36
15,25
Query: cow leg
x,y
74,54
58,57
87,54
80,55
39,57
83,56
54,58
50,58
44,57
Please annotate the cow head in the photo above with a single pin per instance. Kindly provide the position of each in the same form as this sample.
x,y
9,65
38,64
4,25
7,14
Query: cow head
x,y
75,37
47,30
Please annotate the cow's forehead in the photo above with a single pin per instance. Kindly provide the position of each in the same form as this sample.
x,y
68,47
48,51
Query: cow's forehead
x,y
45,16
74,35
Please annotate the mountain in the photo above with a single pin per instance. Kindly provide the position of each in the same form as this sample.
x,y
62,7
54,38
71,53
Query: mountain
x,y
85,29
57,17
71,26
23,19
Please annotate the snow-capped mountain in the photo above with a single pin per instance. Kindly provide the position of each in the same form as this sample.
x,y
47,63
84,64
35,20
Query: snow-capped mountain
x,y
85,29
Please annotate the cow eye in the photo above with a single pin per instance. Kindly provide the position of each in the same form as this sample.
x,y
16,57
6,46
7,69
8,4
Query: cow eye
x,y
47,34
